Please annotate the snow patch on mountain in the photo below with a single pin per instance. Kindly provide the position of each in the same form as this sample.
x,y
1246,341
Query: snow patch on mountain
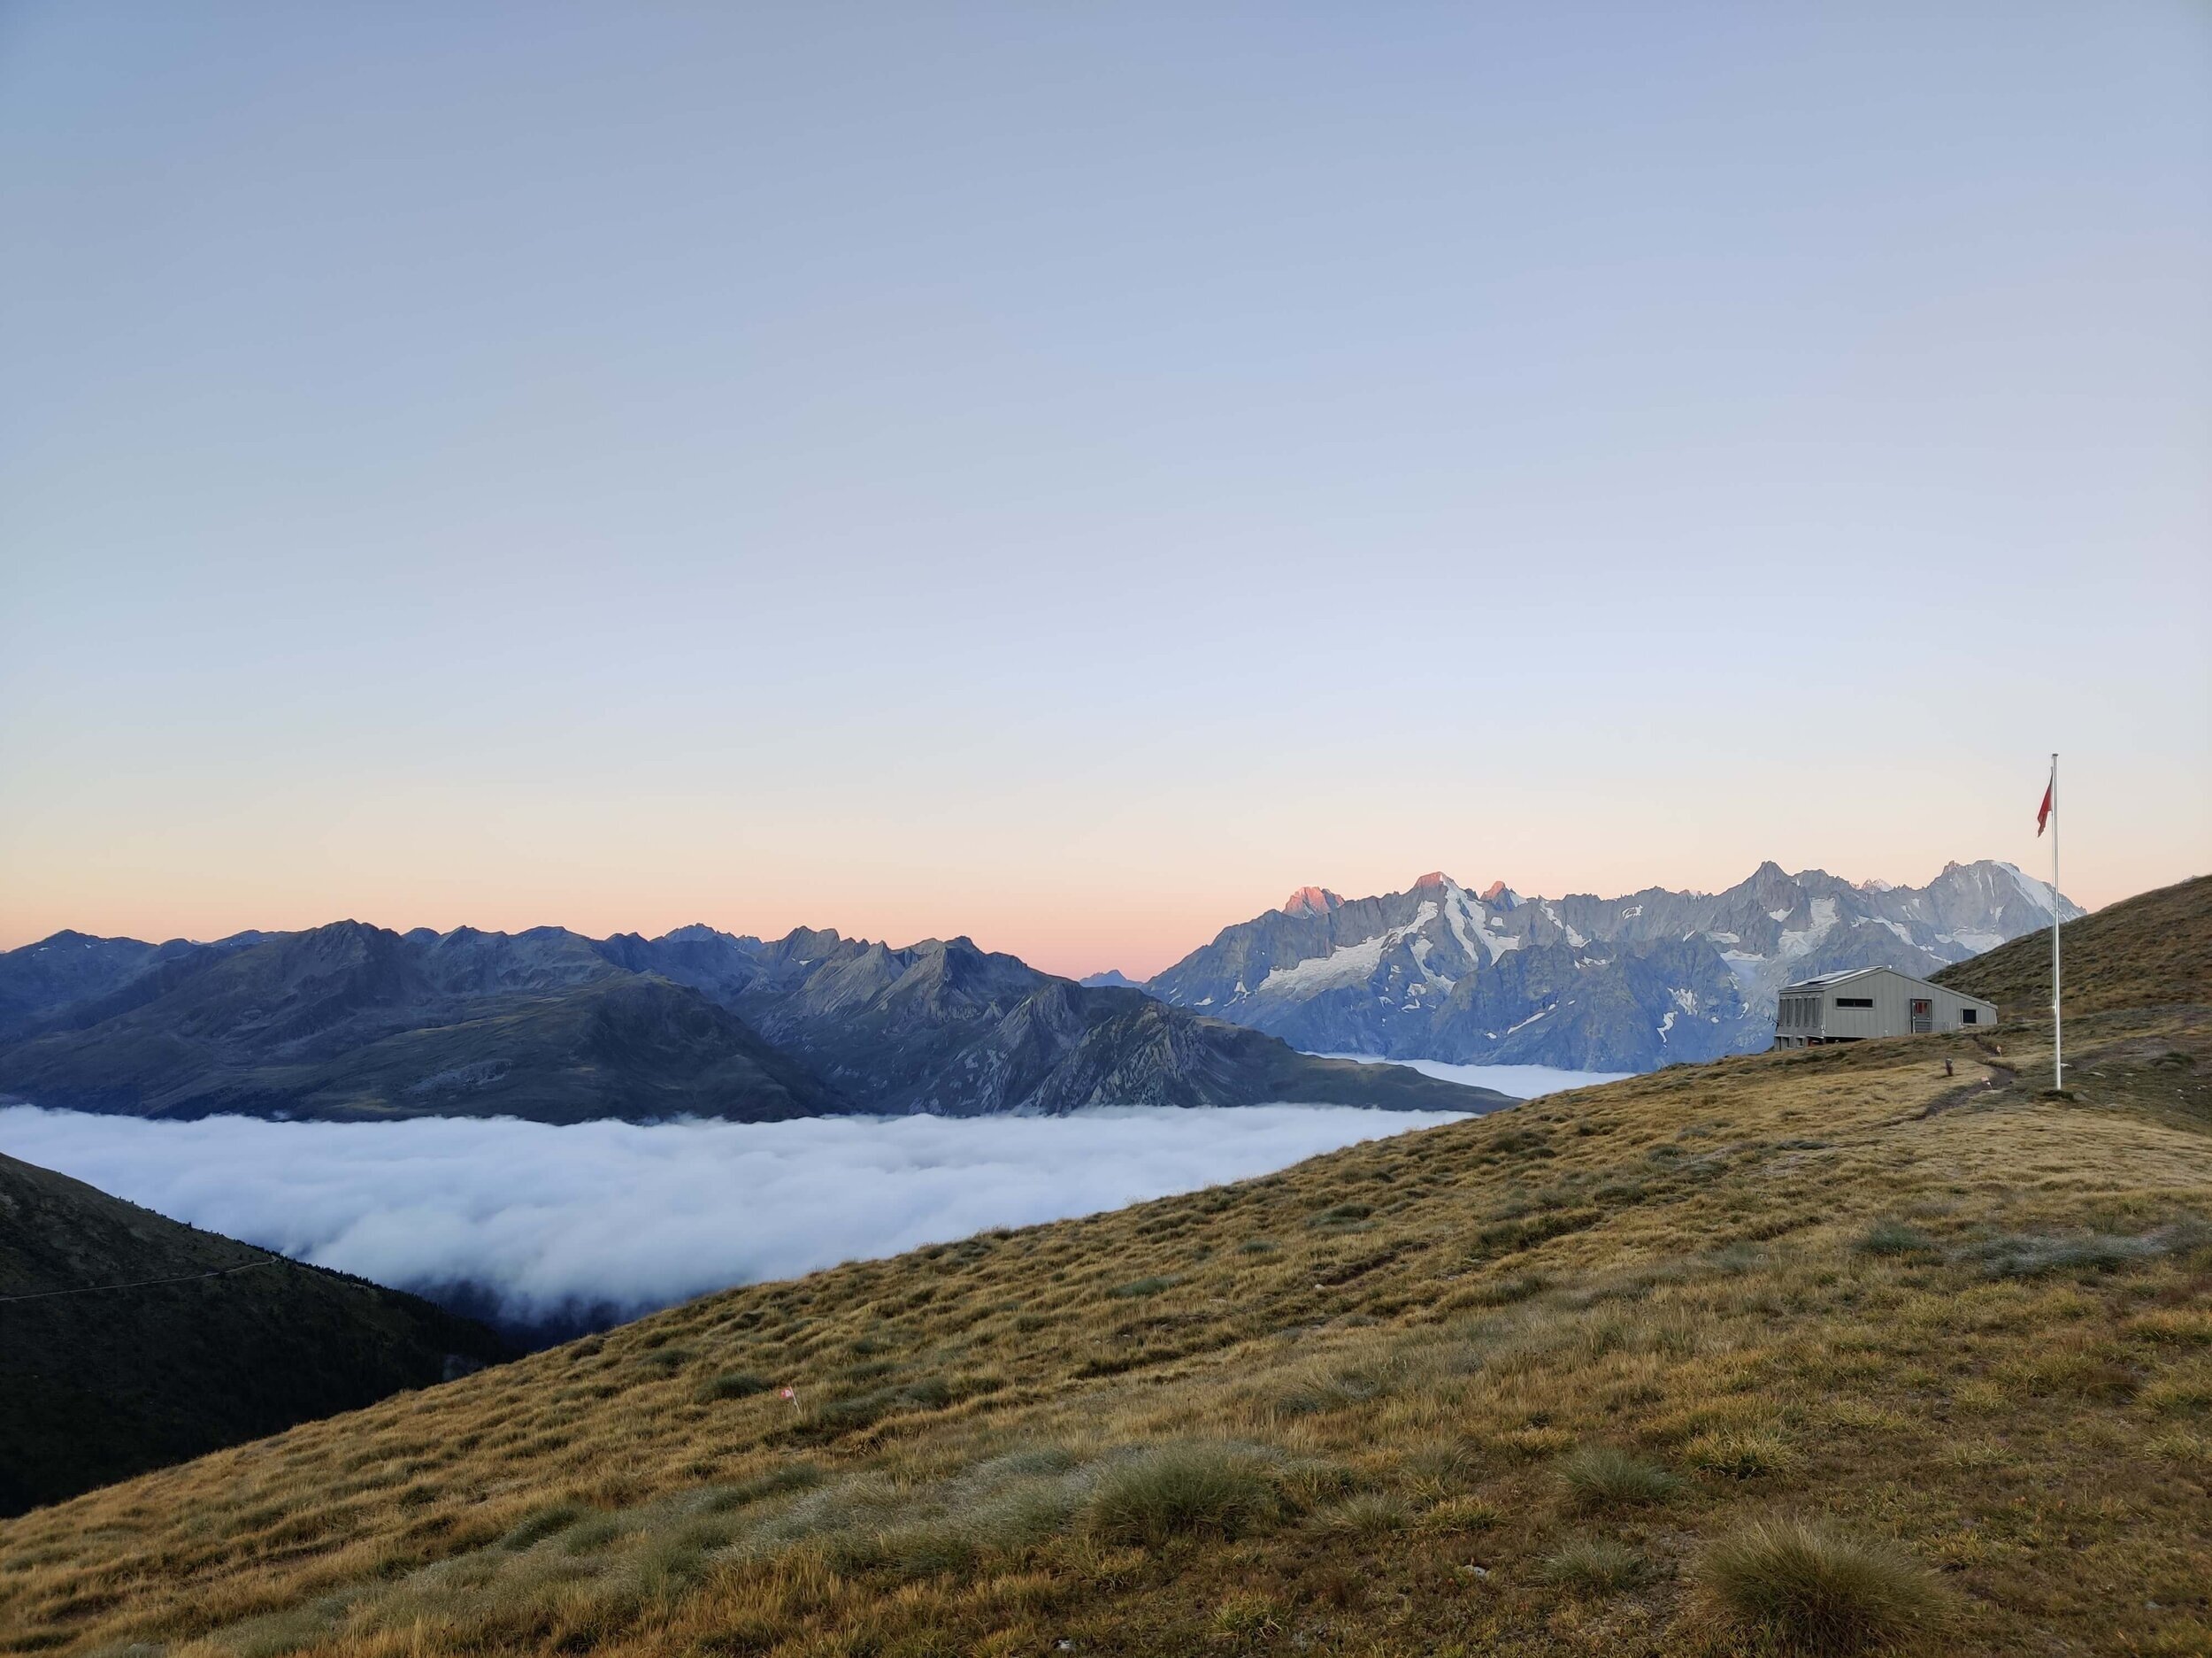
x,y
1579,981
1974,943
2037,892
1347,965
1803,941
1575,939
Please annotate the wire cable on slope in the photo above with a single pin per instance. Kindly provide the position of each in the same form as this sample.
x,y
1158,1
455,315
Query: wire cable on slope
x,y
137,1284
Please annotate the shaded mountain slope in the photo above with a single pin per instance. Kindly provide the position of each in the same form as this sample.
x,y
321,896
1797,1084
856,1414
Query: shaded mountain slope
x,y
228,1343
944,1027
72,979
349,1021
2154,947
355,1021
1514,1385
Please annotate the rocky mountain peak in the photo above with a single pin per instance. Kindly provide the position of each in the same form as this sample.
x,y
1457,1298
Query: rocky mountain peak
x,y
1310,901
1628,983
69,937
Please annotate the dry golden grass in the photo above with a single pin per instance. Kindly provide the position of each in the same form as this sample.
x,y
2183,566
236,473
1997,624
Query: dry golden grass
x,y
2143,951
1501,1386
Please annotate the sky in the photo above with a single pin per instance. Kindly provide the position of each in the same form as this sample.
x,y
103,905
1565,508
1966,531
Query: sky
x,y
1067,476
554,1225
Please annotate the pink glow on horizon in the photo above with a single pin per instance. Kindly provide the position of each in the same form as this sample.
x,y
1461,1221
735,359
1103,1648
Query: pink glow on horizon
x,y
1138,930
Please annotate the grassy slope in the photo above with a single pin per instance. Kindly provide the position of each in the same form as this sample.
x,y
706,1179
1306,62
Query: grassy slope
x,y
100,1386
2142,951
1836,1283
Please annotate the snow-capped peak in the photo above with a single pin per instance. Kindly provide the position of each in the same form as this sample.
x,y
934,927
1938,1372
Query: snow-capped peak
x,y
2037,892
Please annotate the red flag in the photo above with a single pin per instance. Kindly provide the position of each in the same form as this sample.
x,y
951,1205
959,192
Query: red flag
x,y
2043,812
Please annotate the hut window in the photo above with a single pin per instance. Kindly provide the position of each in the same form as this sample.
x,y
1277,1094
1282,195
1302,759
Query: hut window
x,y
1855,1001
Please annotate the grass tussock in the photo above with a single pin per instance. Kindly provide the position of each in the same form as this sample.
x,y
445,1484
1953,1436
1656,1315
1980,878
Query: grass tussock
x,y
1174,1491
1593,1566
1605,1476
1894,1238
1812,1590
731,1385
545,1523
1370,1515
1456,1515
1739,1453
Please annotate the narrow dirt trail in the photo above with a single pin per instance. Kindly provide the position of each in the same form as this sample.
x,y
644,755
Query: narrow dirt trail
x,y
1999,1078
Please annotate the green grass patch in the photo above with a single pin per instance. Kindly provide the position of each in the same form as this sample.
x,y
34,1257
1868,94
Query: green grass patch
x,y
1205,1490
1812,1590
541,1523
1139,1289
1605,1476
1894,1238
731,1385
1593,1566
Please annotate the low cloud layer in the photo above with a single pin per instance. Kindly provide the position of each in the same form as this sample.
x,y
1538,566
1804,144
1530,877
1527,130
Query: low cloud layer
x,y
1523,1082
550,1220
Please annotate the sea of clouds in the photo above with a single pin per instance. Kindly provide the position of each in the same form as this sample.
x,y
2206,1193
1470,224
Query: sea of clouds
x,y
547,1228
1523,1082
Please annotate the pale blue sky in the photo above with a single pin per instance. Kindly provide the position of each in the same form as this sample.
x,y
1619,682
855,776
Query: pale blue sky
x,y
1069,478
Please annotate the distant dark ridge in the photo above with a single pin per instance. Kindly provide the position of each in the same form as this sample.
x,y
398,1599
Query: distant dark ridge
x,y
350,1023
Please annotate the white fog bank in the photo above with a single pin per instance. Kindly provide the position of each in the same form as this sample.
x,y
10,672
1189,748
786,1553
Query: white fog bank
x,y
1523,1082
636,1216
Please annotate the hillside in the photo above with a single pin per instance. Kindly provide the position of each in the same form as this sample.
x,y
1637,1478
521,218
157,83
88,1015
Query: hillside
x,y
225,1343
348,1022
2136,954
1649,978
1823,1350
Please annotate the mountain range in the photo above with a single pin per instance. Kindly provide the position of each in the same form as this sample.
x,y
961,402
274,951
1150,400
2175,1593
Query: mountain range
x,y
349,1021
352,1021
1442,972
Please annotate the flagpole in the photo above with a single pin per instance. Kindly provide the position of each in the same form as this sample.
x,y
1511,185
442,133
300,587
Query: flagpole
x,y
2058,1047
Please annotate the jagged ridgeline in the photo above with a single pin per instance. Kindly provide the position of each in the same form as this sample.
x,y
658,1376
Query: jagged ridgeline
x,y
1600,984
1876,1349
350,1022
